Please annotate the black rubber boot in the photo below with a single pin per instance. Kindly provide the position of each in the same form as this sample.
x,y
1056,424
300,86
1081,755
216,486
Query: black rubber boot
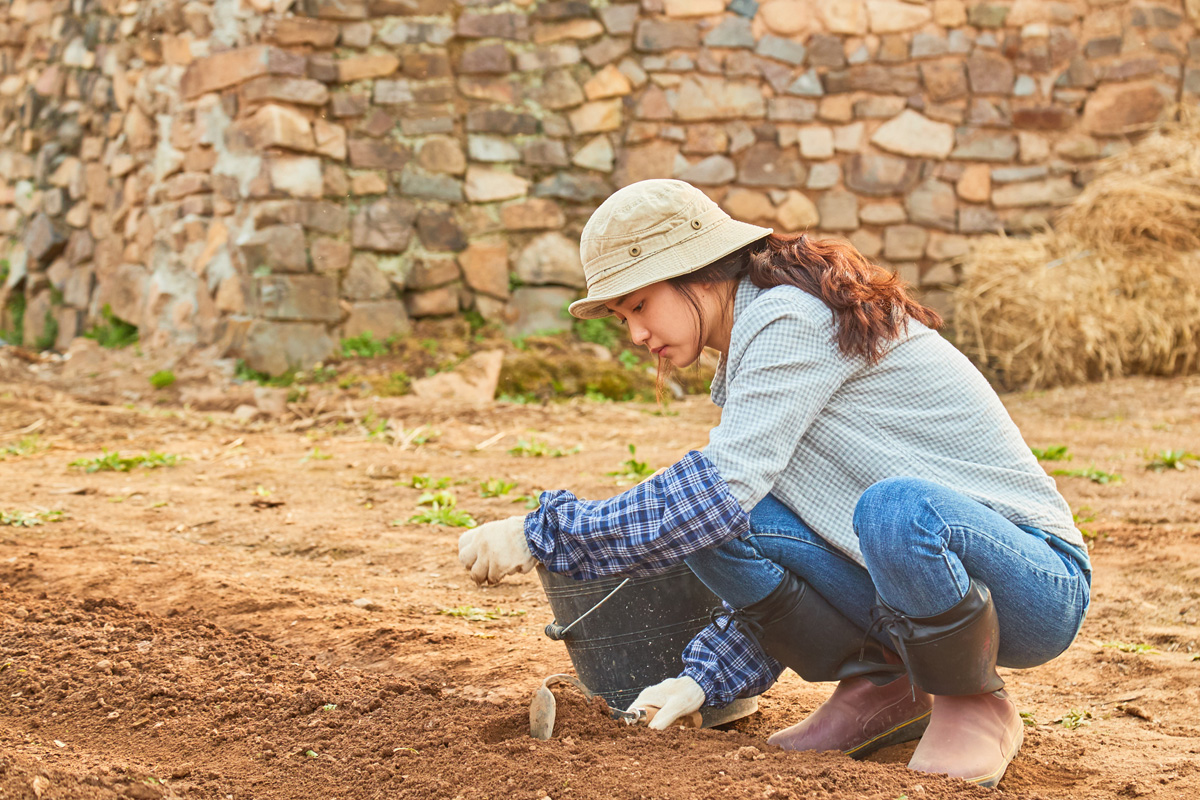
x,y
952,653
800,629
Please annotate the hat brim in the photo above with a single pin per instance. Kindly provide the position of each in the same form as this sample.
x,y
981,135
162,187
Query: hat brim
x,y
699,251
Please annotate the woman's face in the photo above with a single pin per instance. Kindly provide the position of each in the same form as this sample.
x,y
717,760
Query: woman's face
x,y
663,321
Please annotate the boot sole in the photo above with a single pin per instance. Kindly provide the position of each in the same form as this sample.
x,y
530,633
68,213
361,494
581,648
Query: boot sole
x,y
904,732
990,781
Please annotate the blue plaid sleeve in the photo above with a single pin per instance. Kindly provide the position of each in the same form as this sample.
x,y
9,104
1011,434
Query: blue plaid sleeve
x,y
656,524
728,664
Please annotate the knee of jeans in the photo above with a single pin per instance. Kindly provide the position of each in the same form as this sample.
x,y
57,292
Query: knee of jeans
x,y
884,508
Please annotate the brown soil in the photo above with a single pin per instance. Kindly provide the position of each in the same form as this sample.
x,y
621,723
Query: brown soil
x,y
250,623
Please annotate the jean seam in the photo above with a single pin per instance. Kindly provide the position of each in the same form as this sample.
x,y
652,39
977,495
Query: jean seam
x,y
814,545
963,529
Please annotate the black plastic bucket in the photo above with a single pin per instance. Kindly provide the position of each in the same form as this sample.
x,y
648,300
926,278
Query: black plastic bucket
x,y
636,638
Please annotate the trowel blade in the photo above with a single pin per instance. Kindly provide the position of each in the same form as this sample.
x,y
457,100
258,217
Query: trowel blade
x,y
541,713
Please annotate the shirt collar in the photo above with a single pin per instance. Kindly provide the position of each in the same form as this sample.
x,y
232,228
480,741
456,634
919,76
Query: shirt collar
x,y
746,292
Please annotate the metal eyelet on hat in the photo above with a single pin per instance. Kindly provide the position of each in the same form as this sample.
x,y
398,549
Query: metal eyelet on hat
x,y
696,224
636,250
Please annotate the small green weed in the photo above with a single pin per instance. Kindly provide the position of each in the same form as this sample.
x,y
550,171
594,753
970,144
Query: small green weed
x,y
329,707
113,332
1091,473
312,754
162,379
316,455
28,519
115,462
520,398
1027,718
25,446
244,374
1078,517
1173,459
16,314
495,487
1131,647
426,482
363,346
1074,719
473,614
1195,657
441,511
531,501
535,448
632,469
1056,452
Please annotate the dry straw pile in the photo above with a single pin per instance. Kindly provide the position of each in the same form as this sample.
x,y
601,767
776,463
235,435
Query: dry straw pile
x,y
1113,290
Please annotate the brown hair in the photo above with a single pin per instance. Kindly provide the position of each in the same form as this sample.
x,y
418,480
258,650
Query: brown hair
x,y
870,305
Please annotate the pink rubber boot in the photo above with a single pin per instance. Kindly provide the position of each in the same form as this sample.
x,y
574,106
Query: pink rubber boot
x,y
972,737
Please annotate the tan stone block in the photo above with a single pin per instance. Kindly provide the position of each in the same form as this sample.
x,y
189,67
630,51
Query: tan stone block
x,y
748,205
816,142
330,139
951,13
139,129
597,154
975,185
608,82
97,184
914,135
330,255
797,212
433,302
786,17
596,117
485,185
302,30
895,16
485,267
297,177
848,138
442,154
693,8
176,50
1054,191
866,242
368,183
946,246
572,29
232,67
279,126
843,16
1032,147
837,108
492,89
358,68
536,213
79,215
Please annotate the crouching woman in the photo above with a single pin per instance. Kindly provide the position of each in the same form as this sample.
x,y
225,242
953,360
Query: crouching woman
x,y
866,509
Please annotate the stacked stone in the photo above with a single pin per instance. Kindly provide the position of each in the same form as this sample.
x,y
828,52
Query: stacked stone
x,y
273,175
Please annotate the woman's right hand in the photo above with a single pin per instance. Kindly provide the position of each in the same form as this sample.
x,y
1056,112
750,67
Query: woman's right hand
x,y
674,698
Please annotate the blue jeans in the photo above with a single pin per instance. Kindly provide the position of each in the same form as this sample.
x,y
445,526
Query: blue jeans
x,y
922,544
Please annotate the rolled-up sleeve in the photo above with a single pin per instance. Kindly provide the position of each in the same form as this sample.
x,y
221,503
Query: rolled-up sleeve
x,y
728,664
787,368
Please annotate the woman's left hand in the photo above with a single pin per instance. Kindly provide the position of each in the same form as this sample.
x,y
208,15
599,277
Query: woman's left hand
x,y
495,550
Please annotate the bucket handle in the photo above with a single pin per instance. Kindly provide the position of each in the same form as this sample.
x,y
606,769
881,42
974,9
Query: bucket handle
x,y
558,632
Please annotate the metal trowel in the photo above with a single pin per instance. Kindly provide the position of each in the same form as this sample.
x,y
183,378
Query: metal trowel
x,y
543,706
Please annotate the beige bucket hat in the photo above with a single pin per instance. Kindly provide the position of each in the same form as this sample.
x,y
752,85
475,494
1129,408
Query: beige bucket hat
x,y
650,231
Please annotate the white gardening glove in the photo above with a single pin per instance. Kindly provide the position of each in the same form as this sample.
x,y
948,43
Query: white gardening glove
x,y
674,698
495,550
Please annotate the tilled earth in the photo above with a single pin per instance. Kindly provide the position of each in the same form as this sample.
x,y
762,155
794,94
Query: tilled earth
x,y
262,621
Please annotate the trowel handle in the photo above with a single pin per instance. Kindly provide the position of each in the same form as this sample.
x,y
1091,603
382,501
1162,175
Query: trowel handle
x,y
692,720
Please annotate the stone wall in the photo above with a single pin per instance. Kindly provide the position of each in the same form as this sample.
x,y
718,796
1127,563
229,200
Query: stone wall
x,y
273,175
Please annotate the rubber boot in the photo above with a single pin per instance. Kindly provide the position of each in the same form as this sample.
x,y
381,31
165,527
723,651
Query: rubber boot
x,y
974,730
861,717
873,706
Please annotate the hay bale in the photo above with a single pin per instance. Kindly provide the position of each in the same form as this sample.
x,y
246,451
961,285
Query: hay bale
x,y
1113,290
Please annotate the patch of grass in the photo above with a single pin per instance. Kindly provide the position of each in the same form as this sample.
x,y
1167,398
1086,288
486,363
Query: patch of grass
x,y
1074,719
632,469
520,398
603,331
1079,517
535,448
1173,459
316,455
1091,473
25,446
495,487
473,614
438,498
162,379
364,346
115,462
16,314
49,333
629,359
1057,452
113,332
28,519
1131,647
244,374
